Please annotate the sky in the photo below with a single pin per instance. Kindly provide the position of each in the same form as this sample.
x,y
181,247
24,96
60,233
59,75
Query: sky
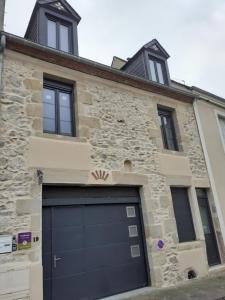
x,y
191,31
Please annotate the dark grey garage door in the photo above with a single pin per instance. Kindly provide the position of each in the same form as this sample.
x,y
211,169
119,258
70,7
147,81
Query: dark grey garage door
x,y
92,242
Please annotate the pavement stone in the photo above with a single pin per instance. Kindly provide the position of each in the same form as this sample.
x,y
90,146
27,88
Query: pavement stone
x,y
211,288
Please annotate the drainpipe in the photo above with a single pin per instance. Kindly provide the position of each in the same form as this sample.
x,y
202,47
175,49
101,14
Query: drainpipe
x,y
2,14
209,168
2,39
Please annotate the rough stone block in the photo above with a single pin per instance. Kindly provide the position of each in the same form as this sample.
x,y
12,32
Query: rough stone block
x,y
84,132
156,231
85,98
23,206
37,124
33,84
91,122
169,226
34,110
36,97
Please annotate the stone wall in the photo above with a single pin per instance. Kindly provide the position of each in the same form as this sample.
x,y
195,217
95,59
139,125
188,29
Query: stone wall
x,y
120,124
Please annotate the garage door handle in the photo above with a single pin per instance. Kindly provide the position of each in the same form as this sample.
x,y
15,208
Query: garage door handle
x,y
55,260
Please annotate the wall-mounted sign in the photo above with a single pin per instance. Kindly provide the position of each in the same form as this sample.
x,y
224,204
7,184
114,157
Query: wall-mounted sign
x,y
161,244
5,244
24,240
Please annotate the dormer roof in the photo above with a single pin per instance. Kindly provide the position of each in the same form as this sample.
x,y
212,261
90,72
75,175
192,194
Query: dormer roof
x,y
155,46
60,5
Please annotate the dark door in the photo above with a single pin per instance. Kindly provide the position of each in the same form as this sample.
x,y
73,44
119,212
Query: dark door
x,y
183,216
210,237
92,250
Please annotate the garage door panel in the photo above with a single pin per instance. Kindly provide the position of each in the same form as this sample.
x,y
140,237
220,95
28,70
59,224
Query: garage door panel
x,y
127,277
47,258
67,216
47,289
103,214
69,288
97,284
46,237
69,238
102,235
70,263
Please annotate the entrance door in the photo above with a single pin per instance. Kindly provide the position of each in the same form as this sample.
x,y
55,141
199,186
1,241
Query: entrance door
x,y
92,247
210,237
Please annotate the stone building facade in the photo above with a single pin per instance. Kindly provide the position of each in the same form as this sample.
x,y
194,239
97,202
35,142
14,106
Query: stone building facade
x,y
117,131
118,134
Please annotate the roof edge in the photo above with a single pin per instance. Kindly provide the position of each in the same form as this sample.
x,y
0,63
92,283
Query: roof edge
x,y
83,65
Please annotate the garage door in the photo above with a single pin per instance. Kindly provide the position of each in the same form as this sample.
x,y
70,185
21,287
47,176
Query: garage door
x,y
92,242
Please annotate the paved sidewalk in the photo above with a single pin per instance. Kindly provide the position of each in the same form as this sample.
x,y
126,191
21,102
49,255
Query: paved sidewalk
x,y
212,288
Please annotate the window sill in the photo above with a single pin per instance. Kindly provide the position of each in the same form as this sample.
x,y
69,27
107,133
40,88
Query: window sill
x,y
173,152
63,137
189,245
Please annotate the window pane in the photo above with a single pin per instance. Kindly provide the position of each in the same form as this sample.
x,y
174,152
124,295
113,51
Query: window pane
x,y
183,216
152,69
64,99
65,127
64,38
160,73
49,125
65,113
49,110
167,129
51,34
205,220
65,107
49,96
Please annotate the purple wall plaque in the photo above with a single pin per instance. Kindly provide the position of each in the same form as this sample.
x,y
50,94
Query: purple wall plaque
x,y
24,240
161,244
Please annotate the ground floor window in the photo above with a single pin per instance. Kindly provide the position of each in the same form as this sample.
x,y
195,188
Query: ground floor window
x,y
183,216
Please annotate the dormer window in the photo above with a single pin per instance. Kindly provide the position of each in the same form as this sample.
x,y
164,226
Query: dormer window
x,y
54,24
157,70
150,63
59,35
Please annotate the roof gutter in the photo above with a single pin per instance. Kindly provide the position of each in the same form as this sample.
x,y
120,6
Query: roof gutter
x,y
83,65
219,100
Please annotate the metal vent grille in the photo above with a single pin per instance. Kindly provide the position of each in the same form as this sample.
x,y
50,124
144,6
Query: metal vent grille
x,y
135,251
133,231
131,212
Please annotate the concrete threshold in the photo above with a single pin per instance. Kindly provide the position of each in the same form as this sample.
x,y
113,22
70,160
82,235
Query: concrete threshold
x,y
128,295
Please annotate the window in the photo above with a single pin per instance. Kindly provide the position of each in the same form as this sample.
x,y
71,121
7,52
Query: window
x,y
157,70
222,127
59,35
182,211
167,129
57,109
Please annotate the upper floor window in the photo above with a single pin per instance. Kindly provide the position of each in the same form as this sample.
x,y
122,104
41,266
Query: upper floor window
x,y
222,127
58,106
59,35
167,128
157,70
